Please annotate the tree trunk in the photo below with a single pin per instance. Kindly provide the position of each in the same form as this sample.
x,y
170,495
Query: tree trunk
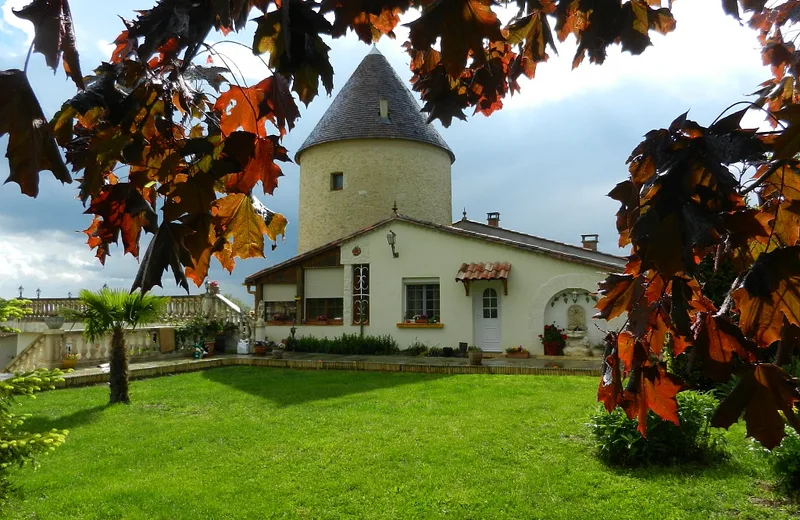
x,y
118,368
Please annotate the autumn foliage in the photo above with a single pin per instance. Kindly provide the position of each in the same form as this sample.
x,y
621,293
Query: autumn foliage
x,y
164,138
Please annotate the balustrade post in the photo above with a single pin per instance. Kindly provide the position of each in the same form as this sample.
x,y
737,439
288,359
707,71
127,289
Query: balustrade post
x,y
50,354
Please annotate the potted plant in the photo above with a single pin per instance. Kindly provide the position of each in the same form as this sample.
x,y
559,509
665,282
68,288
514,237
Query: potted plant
x,y
554,340
475,355
213,287
517,352
447,351
260,348
433,319
420,318
211,330
277,352
322,319
69,360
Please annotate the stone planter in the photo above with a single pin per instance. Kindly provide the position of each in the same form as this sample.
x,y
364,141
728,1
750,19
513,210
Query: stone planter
x,y
475,357
277,353
68,363
54,322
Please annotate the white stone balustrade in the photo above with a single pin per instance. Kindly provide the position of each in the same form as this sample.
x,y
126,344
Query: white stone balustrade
x,y
49,348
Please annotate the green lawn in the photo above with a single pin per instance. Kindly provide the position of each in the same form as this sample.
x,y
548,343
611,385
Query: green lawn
x,y
242,442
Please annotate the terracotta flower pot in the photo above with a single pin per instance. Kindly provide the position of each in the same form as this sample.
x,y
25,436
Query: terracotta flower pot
x,y
68,363
210,347
260,351
518,355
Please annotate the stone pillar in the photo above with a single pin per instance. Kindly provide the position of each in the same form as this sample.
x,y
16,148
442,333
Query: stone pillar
x,y
260,332
53,349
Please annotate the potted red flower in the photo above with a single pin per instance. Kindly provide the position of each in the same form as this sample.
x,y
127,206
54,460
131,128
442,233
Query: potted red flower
x,y
554,340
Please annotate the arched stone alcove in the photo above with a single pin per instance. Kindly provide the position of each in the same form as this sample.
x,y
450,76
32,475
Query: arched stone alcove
x,y
545,311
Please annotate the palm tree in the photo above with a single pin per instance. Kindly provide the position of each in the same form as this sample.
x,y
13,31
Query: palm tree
x,y
114,310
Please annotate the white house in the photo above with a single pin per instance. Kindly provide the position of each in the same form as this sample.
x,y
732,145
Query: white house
x,y
377,248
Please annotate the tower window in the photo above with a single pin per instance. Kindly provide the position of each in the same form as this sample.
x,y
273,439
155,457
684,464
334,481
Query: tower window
x,y
384,109
337,181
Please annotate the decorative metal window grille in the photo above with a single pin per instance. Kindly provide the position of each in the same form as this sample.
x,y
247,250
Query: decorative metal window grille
x,y
361,294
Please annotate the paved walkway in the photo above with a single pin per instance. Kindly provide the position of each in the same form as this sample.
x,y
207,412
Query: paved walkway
x,y
497,365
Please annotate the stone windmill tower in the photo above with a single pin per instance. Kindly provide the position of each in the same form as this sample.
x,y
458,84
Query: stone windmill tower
x,y
371,148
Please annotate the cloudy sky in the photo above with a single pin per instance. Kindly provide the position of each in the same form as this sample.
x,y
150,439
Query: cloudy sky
x,y
545,162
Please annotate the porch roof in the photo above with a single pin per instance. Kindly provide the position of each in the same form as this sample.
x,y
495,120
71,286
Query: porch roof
x,y
483,271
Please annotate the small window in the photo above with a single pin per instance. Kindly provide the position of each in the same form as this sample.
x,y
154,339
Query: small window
x,y
330,308
422,299
337,181
490,304
280,311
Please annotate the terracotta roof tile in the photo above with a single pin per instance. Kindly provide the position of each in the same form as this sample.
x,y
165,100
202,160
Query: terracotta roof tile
x,y
483,271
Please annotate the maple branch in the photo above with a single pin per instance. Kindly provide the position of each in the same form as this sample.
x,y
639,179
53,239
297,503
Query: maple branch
x,y
249,49
28,58
761,179
752,105
723,309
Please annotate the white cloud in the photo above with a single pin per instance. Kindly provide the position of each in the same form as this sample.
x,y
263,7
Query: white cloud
x,y
11,20
706,50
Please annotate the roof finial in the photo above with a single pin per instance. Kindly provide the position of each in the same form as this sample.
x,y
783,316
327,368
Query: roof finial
x,y
375,50
464,213
394,208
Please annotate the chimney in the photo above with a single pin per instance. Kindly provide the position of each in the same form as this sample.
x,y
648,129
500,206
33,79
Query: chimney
x,y
493,219
590,242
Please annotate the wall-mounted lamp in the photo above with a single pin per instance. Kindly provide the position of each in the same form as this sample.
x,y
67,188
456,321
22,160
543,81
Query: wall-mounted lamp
x,y
391,237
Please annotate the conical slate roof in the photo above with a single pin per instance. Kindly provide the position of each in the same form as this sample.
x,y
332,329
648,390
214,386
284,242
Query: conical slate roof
x,y
355,111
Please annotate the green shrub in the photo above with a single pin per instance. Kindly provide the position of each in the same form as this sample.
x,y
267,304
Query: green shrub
x,y
786,462
435,352
620,443
416,349
18,447
349,344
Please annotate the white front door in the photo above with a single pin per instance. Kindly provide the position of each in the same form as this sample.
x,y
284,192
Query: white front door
x,y
486,307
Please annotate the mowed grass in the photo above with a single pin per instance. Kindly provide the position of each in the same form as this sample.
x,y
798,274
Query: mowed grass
x,y
243,442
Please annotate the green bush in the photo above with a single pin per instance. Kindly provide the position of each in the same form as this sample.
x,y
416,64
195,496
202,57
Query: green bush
x,y
18,447
620,443
416,349
786,462
435,352
347,344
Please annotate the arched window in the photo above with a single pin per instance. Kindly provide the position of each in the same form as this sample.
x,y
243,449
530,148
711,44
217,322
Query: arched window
x,y
490,303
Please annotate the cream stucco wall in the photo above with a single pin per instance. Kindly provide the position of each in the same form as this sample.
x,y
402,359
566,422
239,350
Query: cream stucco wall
x,y
324,282
377,172
427,253
279,292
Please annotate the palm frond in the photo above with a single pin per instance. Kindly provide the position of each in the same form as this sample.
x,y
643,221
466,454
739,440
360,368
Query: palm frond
x,y
107,309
